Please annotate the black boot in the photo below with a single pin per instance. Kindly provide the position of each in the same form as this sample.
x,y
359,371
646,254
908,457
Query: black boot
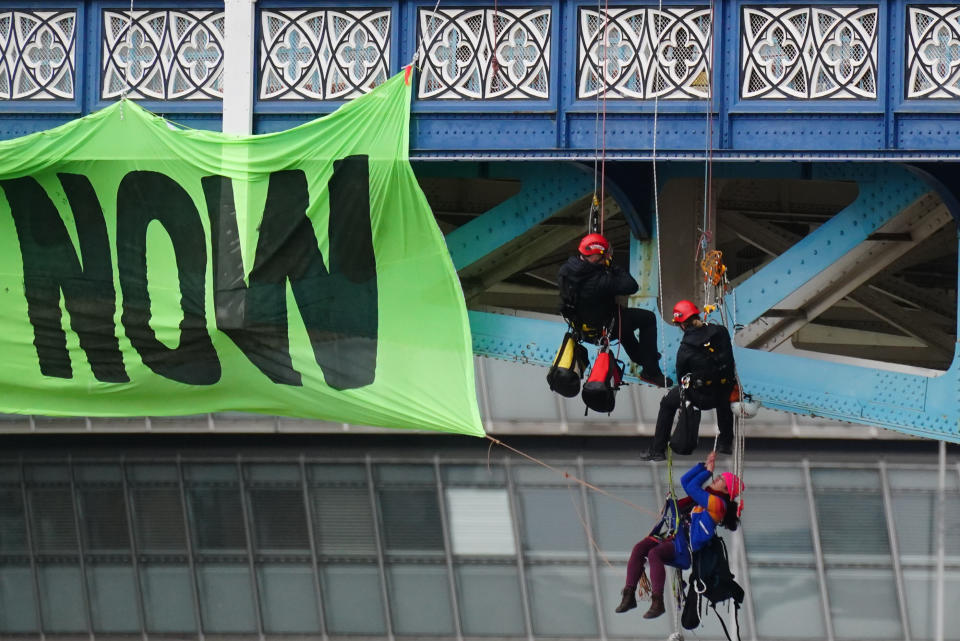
x,y
653,455
656,607
629,600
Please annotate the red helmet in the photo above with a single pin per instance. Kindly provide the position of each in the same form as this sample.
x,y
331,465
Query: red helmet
x,y
594,244
684,310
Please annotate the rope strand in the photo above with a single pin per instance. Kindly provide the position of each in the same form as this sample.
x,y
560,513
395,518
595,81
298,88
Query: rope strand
x,y
573,478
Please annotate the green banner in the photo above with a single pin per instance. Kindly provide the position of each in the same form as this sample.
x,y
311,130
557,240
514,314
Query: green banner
x,y
151,270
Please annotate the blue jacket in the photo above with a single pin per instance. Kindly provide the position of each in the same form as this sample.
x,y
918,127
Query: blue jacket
x,y
709,509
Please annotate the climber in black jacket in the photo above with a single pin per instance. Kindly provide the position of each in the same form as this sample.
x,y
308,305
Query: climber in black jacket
x,y
705,360
589,284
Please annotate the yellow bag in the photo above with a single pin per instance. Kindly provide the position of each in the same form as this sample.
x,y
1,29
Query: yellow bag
x,y
568,367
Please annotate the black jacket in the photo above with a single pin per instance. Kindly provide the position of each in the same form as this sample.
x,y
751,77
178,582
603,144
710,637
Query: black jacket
x,y
590,288
706,354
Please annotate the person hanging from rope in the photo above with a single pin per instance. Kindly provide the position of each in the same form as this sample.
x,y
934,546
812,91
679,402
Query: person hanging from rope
x,y
589,287
707,372
685,527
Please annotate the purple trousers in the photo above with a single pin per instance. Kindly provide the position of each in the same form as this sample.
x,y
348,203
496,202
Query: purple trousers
x,y
657,552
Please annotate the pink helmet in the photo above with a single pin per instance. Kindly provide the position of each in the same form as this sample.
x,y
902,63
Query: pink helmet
x,y
734,484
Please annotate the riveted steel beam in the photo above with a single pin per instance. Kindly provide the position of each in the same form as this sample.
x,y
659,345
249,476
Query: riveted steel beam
x,y
874,298
527,248
845,274
545,190
884,192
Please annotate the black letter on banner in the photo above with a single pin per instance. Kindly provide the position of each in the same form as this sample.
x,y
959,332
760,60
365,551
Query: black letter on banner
x,y
145,196
50,265
339,307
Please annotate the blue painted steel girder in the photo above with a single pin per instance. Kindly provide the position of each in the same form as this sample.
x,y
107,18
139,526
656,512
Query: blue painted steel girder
x,y
545,188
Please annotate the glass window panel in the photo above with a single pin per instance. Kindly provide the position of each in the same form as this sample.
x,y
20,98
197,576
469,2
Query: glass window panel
x,y
550,523
787,603
113,603
337,473
279,520
158,520
288,598
710,627
852,524
411,520
152,472
220,472
863,604
344,586
343,521
13,529
915,525
632,475
508,388
216,516
272,473
420,599
845,479
53,527
18,609
104,520
951,596
617,527
97,473
484,589
9,470
921,596
538,475
47,473
630,625
561,601
473,475
480,522
770,477
776,526
226,598
920,592
61,598
167,598
406,474
951,515
927,478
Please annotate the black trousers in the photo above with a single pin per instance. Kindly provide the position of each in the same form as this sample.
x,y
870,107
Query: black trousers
x,y
637,331
706,398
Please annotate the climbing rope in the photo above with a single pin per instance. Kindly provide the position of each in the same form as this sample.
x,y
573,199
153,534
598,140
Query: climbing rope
x,y
129,38
570,477
422,45
596,216
677,583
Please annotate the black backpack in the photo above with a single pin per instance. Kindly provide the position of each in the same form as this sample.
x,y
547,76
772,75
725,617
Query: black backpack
x,y
686,434
711,581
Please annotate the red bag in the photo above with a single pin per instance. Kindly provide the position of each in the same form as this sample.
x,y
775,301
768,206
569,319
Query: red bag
x,y
600,390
